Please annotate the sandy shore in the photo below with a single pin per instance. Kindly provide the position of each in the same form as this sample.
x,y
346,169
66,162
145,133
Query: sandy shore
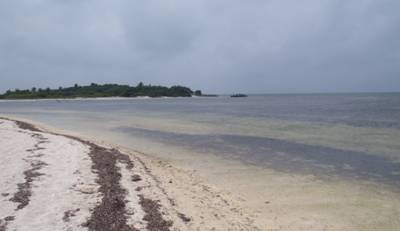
x,y
55,181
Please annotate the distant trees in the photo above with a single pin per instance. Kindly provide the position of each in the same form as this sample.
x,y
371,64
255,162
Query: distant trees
x,y
197,93
96,90
180,91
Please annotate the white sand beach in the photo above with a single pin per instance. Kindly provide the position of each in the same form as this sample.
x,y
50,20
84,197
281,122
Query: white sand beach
x,y
49,182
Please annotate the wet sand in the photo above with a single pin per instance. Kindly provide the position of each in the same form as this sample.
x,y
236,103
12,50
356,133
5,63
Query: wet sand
x,y
279,200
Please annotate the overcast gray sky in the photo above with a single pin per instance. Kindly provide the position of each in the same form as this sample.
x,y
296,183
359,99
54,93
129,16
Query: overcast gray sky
x,y
219,46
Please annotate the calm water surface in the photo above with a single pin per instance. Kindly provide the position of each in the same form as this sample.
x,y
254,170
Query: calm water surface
x,y
351,135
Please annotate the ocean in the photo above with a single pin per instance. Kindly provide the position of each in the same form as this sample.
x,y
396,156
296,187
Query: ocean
x,y
354,136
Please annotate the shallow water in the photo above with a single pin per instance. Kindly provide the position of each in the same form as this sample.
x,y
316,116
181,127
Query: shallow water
x,y
282,155
351,135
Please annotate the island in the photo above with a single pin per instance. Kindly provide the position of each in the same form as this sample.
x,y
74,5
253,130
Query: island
x,y
97,90
238,95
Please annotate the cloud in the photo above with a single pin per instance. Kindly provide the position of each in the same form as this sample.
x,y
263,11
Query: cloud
x,y
219,46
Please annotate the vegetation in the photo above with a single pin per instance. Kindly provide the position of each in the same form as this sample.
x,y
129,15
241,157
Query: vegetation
x,y
238,95
96,90
197,93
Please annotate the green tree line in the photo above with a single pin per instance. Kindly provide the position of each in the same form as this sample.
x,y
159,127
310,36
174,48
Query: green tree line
x,y
98,90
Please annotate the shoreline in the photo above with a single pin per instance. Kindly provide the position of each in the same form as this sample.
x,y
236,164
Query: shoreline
x,y
138,200
269,201
110,212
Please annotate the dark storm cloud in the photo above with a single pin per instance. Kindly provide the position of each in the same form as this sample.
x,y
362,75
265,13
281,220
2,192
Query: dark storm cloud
x,y
218,46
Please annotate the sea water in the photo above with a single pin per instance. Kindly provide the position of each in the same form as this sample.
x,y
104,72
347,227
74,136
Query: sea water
x,y
341,135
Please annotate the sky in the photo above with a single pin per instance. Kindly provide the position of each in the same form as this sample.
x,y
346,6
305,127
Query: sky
x,y
218,46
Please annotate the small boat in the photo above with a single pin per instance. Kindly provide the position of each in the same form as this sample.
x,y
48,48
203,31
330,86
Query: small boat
x,y
238,95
